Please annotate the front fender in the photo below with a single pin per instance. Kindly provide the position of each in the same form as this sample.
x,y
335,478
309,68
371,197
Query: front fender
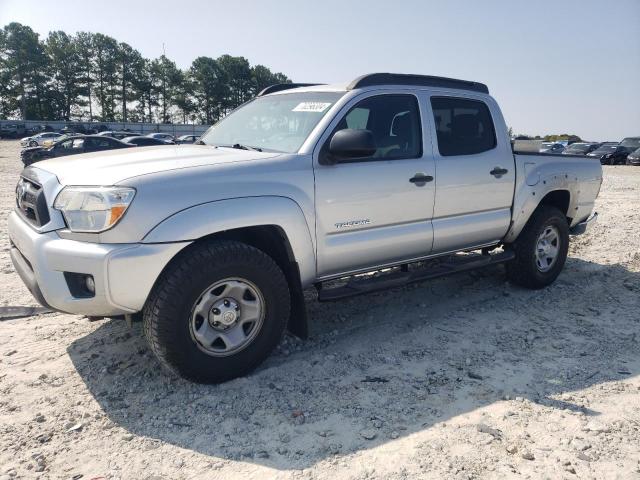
x,y
214,217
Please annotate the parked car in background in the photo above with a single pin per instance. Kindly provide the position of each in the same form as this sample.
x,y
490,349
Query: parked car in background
x,y
47,143
13,130
580,148
551,147
145,141
39,139
40,128
162,136
74,128
97,129
611,153
29,155
119,134
632,143
187,139
71,146
634,157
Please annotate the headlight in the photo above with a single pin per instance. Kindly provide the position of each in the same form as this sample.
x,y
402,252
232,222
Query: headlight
x,y
93,209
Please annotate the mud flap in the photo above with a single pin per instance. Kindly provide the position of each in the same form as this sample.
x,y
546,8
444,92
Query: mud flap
x,y
298,320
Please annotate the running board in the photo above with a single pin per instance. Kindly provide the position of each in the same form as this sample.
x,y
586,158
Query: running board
x,y
399,277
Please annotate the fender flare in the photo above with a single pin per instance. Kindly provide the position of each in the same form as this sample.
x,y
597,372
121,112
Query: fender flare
x,y
213,217
533,191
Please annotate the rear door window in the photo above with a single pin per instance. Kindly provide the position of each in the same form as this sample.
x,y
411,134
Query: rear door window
x,y
463,126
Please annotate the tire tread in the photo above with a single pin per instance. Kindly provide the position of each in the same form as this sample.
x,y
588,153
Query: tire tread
x,y
161,308
522,270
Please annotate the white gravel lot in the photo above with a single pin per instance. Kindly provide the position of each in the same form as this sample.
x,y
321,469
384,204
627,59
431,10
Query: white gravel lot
x,y
463,377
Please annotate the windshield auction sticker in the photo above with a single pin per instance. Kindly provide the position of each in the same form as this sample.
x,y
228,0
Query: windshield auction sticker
x,y
311,107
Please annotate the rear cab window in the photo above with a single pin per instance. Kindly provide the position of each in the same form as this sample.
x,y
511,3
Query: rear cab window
x,y
463,126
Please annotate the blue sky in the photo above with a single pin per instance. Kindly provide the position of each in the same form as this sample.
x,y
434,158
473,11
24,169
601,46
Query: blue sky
x,y
554,66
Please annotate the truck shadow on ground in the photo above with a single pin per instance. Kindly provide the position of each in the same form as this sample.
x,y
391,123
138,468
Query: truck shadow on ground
x,y
382,366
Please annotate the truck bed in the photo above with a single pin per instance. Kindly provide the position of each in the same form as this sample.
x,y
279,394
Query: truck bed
x,y
576,178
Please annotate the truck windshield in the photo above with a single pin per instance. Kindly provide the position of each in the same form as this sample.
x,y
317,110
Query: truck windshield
x,y
277,123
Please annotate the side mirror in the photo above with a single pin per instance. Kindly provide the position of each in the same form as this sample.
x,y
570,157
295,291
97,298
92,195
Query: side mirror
x,y
349,144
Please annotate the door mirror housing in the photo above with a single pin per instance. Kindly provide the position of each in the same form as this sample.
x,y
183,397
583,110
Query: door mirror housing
x,y
350,143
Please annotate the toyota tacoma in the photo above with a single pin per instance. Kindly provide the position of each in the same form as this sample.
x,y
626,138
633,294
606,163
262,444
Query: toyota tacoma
x,y
409,177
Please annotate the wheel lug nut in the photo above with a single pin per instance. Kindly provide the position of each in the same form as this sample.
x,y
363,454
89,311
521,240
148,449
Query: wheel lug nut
x,y
226,303
216,311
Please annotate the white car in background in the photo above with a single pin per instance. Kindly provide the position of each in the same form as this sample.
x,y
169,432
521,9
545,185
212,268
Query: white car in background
x,y
39,139
162,136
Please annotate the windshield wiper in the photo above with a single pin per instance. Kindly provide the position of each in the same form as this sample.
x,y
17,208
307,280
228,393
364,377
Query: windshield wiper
x,y
246,147
242,147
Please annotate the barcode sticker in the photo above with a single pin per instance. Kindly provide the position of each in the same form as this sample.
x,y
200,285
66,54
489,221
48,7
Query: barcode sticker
x,y
311,107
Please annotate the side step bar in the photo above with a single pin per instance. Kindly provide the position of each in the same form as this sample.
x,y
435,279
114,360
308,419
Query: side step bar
x,y
401,276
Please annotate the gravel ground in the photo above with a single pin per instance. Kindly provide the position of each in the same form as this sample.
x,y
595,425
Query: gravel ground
x,y
461,377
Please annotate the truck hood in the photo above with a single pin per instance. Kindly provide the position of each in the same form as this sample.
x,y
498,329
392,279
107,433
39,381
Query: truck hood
x,y
113,166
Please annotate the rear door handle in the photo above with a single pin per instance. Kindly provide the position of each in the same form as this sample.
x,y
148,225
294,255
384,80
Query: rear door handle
x,y
498,172
420,179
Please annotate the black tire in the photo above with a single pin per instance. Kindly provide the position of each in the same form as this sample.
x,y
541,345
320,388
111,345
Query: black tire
x,y
167,313
523,270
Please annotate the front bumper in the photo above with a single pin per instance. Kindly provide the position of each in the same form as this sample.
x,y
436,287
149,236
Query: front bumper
x,y
123,273
582,227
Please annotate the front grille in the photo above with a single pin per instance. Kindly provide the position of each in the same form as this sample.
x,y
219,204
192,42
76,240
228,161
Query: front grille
x,y
31,202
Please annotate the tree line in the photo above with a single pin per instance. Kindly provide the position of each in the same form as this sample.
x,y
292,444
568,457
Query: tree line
x,y
93,77
547,138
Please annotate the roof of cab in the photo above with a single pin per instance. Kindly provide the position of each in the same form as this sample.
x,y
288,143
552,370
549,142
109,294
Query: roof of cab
x,y
379,79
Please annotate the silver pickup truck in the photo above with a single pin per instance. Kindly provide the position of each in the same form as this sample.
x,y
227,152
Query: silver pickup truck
x,y
409,176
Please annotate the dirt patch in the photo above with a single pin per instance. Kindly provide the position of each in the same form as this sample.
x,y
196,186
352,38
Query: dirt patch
x,y
462,377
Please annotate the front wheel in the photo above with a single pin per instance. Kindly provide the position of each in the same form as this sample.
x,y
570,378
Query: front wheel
x,y
217,311
541,249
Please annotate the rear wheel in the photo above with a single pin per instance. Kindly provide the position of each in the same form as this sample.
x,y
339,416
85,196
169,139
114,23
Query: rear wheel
x,y
217,311
541,249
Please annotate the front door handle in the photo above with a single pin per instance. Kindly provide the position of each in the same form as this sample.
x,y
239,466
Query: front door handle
x,y
498,172
419,179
